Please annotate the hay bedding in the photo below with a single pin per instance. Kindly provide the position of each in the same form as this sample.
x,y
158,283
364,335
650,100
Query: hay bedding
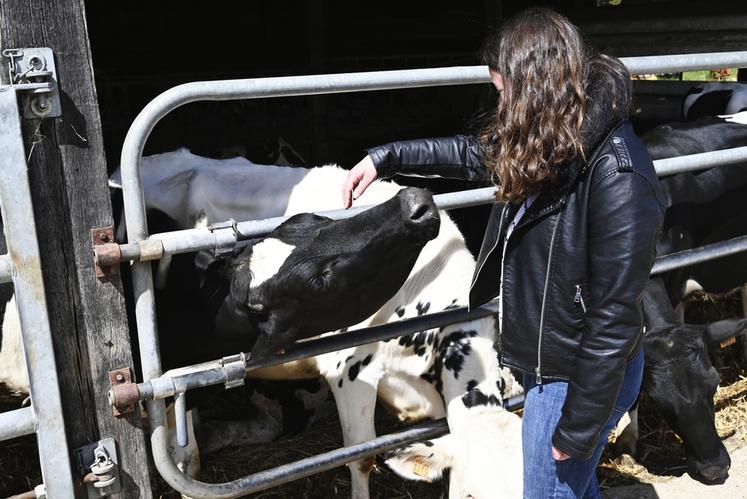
x,y
323,436
660,455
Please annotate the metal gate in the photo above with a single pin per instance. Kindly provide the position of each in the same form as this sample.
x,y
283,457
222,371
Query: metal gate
x,y
21,265
143,247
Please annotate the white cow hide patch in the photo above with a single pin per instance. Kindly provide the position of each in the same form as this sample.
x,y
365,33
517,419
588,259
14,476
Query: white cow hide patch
x,y
267,258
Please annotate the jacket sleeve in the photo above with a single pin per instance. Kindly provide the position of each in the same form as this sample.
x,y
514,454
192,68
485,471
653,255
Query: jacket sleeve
x,y
622,234
460,157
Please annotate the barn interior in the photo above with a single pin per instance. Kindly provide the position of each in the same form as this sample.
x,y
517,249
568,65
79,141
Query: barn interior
x,y
141,49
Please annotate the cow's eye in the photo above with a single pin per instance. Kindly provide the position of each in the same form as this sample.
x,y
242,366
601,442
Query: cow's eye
x,y
318,282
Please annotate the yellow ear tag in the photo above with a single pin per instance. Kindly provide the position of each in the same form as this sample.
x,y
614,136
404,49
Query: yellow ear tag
x,y
421,469
728,341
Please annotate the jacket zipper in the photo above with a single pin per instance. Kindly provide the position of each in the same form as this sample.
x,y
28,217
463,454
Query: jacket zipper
x,y
538,370
495,245
500,290
579,298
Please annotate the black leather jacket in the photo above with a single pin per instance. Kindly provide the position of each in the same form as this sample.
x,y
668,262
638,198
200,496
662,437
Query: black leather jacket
x,y
574,268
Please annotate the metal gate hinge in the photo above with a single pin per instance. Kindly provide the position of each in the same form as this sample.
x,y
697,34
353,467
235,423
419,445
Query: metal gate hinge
x,y
122,379
102,239
33,70
98,466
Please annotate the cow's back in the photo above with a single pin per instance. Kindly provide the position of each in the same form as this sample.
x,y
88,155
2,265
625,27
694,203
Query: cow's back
x,y
190,188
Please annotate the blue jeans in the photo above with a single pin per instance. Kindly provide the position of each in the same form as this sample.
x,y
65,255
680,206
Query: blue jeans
x,y
545,478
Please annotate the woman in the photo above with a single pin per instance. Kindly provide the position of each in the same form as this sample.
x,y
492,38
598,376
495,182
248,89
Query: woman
x,y
571,249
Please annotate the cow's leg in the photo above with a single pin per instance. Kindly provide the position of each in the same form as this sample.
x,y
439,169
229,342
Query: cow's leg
x,y
627,432
354,386
679,309
742,339
486,436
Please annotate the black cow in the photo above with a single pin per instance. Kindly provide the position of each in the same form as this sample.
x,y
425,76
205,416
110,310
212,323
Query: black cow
x,y
703,207
681,380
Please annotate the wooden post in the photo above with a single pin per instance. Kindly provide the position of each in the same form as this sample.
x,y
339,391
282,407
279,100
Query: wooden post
x,y
68,177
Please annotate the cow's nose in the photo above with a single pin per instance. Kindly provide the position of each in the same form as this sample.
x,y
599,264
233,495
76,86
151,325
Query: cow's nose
x,y
418,205
714,472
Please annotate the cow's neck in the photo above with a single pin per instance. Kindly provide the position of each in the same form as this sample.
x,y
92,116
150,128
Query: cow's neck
x,y
445,260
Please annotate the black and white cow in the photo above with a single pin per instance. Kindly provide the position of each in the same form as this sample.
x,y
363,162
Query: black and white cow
x,y
711,99
12,368
13,373
449,372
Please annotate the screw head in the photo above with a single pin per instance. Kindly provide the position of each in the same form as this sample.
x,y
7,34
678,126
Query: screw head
x,y
36,62
104,237
119,377
40,105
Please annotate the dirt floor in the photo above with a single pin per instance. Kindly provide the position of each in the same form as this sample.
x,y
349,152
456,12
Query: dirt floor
x,y
684,487
656,471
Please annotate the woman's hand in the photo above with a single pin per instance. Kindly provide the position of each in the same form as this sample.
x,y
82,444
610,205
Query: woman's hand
x,y
358,180
559,455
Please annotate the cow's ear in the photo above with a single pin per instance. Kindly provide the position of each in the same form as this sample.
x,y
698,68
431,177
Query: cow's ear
x,y
227,269
725,329
241,281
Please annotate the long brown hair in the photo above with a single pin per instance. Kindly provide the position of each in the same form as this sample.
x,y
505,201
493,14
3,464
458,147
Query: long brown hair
x,y
537,123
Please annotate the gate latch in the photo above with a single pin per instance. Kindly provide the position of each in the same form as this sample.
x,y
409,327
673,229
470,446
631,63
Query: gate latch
x,y
126,388
98,464
33,70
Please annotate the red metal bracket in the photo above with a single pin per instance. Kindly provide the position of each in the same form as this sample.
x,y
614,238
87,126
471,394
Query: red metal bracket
x,y
104,246
122,384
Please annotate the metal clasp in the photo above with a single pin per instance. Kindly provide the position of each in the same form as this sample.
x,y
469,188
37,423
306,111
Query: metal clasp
x,y
226,235
235,368
98,464
33,69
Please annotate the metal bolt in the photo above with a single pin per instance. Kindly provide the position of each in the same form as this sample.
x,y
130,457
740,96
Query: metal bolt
x,y
104,237
119,377
40,105
36,62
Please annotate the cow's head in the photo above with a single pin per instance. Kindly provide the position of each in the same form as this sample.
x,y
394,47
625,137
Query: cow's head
x,y
681,380
313,274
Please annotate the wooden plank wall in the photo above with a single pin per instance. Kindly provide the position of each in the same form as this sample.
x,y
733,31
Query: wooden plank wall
x,y
68,181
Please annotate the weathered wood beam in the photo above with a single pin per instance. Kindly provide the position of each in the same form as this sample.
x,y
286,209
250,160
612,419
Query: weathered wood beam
x,y
68,180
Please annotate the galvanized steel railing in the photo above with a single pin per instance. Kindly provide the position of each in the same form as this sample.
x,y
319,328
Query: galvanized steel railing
x,y
22,266
141,247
